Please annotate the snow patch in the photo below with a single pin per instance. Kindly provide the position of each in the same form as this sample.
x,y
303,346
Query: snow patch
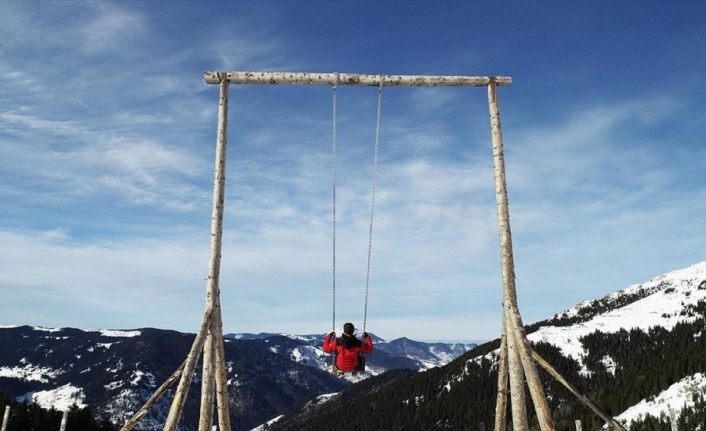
x,y
30,373
61,398
112,385
42,328
264,426
609,364
117,333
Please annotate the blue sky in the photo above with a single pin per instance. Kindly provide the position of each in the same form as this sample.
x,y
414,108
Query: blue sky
x,y
107,135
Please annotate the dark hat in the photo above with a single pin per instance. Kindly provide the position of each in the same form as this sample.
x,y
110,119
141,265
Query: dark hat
x,y
348,328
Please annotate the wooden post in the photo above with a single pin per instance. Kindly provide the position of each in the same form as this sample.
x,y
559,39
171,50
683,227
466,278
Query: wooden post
x,y
207,384
517,383
64,418
514,327
213,287
579,427
585,400
223,403
5,418
673,419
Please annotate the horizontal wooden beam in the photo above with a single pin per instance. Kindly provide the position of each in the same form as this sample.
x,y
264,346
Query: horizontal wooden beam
x,y
308,78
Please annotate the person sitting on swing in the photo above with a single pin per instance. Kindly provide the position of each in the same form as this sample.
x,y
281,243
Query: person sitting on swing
x,y
348,349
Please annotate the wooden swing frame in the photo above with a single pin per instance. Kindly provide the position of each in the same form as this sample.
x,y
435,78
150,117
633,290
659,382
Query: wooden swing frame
x,y
517,361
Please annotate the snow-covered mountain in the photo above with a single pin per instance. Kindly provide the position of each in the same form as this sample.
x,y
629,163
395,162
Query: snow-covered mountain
x,y
115,371
639,351
663,302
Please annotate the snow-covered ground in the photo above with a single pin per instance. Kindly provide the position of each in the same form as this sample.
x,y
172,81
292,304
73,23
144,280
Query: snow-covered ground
x,y
270,422
29,372
117,333
61,398
675,397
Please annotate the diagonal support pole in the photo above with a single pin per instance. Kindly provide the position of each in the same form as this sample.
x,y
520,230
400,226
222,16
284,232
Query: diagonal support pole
x,y
584,399
151,401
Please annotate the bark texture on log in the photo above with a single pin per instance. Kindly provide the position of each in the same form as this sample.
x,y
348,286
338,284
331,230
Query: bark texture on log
x,y
312,78
221,378
214,264
215,260
517,382
207,383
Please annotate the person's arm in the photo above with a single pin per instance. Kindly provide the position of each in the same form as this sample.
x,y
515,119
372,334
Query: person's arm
x,y
330,342
367,345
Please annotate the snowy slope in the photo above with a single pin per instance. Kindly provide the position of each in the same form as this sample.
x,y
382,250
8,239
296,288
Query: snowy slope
x,y
675,398
663,301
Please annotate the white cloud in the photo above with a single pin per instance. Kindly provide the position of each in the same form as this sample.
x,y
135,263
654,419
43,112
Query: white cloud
x,y
111,27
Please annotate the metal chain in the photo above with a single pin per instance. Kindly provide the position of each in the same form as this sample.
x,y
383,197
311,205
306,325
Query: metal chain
x,y
372,200
333,139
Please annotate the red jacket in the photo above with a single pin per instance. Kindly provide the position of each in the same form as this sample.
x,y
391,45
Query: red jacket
x,y
347,358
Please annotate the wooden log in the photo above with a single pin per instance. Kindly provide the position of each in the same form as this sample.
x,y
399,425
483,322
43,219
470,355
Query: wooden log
x,y
185,381
5,418
213,286
64,419
534,383
514,326
312,78
223,404
585,400
207,383
151,401
501,400
517,382
579,427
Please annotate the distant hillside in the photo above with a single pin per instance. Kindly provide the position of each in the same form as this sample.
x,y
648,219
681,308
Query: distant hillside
x,y
115,371
636,352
